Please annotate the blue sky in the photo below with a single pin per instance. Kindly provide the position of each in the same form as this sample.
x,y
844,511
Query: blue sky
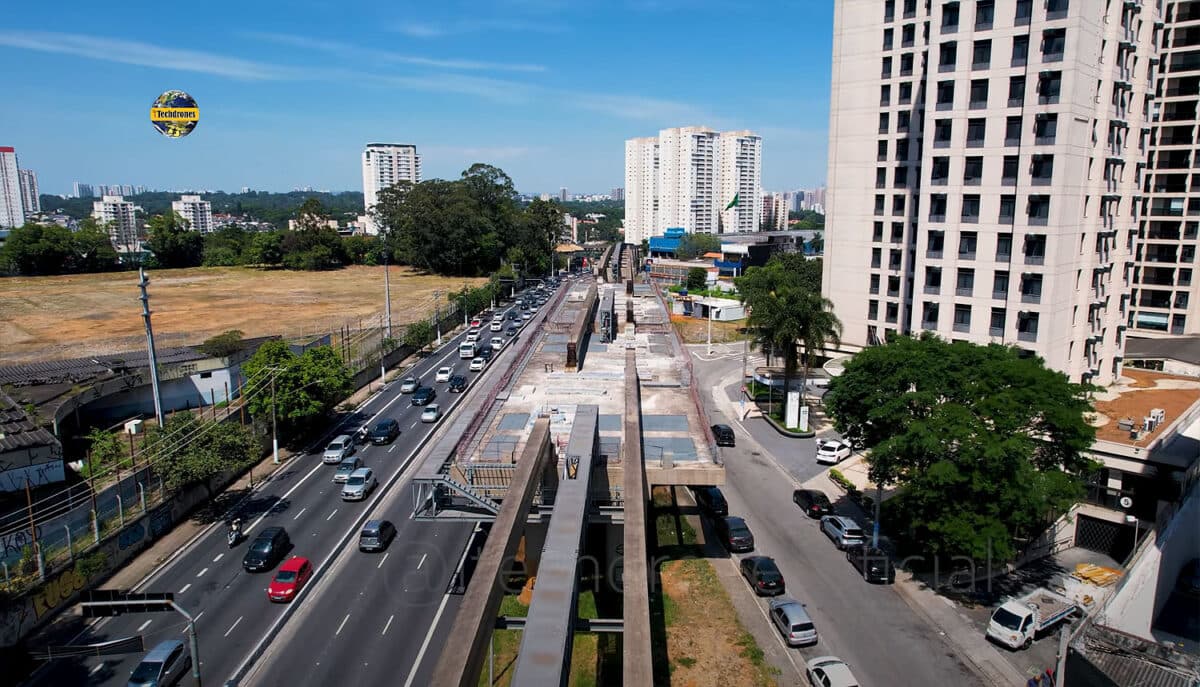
x,y
290,92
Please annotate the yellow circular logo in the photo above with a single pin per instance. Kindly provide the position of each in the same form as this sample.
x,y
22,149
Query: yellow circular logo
x,y
174,114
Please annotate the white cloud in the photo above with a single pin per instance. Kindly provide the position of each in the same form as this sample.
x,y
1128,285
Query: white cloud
x,y
438,30
479,152
664,112
354,52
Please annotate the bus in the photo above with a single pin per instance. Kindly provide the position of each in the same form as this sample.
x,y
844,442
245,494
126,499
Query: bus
x,y
466,349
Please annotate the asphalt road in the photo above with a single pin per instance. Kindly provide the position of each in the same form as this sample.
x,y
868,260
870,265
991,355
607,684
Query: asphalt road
x,y
868,626
231,607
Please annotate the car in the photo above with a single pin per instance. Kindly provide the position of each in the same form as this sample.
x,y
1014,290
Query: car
x,y
829,671
376,535
409,385
361,482
338,450
384,431
842,530
763,575
496,325
514,315
711,500
486,353
497,343
472,335
525,317
346,467
814,503
457,384
523,305
873,564
832,451
735,534
793,622
511,331
476,321
267,549
423,396
476,364
724,435
290,579
432,413
165,664
443,375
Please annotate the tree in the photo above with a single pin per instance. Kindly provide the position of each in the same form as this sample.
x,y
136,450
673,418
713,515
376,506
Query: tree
x,y
187,450
172,242
222,345
93,248
226,246
540,227
305,388
693,246
265,248
417,335
104,449
37,249
986,443
817,243
697,279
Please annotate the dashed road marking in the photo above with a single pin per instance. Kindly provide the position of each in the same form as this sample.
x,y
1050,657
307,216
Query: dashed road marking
x,y
201,573
389,624
185,587
235,624
331,515
381,561
219,557
422,561
339,630
300,513
144,625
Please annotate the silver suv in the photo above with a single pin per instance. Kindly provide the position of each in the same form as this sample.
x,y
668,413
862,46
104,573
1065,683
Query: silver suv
x,y
360,483
346,468
163,665
842,530
338,450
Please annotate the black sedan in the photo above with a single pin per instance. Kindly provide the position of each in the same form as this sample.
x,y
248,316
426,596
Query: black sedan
x,y
457,383
873,564
423,396
814,503
724,435
735,534
384,431
711,500
763,575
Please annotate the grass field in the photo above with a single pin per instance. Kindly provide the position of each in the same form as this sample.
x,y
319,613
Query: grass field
x,y
94,314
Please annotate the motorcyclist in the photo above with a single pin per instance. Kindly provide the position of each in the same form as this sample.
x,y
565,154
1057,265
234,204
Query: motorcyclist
x,y
235,529
363,433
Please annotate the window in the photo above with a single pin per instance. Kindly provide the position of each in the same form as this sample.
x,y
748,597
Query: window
x,y
1012,131
976,131
942,130
889,10
937,207
875,283
962,318
1035,249
1054,43
939,173
206,375
979,94
1008,209
996,325
947,56
933,280
893,287
1020,53
1027,326
881,150
898,204
906,93
1045,129
885,95
1056,9
1024,12
876,257
1016,90
887,39
881,177
908,35
910,9
902,149
949,17
945,95
878,233
903,120
929,317
1039,209
1008,174
1003,249
965,285
981,55
895,258
883,122
1049,87
985,14
886,72
901,177
1000,285
973,171
897,232
967,242
1031,288
873,306
892,315
880,204
970,210
1041,168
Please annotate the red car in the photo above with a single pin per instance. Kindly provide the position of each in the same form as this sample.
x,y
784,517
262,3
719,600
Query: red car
x,y
290,579
476,322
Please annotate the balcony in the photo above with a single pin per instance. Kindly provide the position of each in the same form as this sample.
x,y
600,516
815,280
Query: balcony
x,y
995,331
1032,297
962,327
965,291
929,324
1028,336
933,289
934,254
1036,259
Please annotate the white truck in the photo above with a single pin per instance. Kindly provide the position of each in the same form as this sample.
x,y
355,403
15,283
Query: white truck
x,y
1017,622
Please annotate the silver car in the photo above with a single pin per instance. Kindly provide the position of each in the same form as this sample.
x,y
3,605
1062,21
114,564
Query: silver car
x,y
842,530
338,450
409,385
346,468
793,622
432,413
360,483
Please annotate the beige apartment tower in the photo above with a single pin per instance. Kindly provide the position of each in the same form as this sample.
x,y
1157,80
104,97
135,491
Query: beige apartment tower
x,y
984,172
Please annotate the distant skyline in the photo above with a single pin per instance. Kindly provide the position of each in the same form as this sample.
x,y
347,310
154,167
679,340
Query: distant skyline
x,y
547,90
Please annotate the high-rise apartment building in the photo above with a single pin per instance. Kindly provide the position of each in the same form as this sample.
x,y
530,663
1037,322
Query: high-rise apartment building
x,y
775,211
693,178
12,213
562,195
618,193
118,215
383,165
30,201
196,211
81,190
984,165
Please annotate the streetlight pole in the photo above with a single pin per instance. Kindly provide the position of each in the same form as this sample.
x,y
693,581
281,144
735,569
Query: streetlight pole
x,y
274,433
437,316
387,295
710,319
143,282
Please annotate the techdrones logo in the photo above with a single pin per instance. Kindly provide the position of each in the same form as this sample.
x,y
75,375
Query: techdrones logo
x,y
174,114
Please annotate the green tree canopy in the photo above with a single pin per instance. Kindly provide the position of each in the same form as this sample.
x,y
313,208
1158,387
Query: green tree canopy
x,y
227,246
987,443
222,345
697,278
187,450
306,387
693,246
172,242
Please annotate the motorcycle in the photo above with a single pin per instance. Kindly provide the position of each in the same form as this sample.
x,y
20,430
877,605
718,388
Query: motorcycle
x,y
234,535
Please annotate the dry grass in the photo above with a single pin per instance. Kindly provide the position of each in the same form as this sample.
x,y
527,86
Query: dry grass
x,y
695,330
92,314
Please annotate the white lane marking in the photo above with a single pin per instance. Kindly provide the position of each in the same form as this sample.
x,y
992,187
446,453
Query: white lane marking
x,y
389,624
412,675
413,425
185,587
235,624
145,625
393,448
381,561
331,515
219,557
185,627
422,561
201,573
339,630
300,513
97,668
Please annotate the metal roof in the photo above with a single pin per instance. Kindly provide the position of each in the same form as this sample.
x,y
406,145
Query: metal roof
x,y
1182,348
17,430
75,370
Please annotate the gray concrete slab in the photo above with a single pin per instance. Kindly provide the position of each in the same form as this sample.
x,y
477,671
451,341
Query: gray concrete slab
x,y
637,665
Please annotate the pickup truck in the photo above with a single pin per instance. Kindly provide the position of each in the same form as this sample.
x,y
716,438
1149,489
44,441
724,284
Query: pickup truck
x,y
1017,622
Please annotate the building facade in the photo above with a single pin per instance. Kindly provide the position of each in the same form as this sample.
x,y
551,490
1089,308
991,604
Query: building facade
x,y
739,177
30,201
118,215
641,188
12,211
383,165
196,211
775,211
983,173
618,193
79,190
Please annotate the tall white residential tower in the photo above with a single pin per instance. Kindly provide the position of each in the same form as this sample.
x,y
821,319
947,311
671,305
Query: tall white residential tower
x,y
117,213
196,211
29,191
12,213
641,188
385,164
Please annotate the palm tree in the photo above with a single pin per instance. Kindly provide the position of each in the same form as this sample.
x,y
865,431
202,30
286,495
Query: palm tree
x,y
818,327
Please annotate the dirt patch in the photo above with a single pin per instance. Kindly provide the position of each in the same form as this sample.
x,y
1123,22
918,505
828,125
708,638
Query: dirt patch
x,y
1143,391
706,644
94,314
693,330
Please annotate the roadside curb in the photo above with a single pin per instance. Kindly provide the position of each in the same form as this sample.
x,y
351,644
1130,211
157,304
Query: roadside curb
x,y
787,432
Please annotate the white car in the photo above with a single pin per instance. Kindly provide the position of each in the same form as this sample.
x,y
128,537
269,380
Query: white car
x,y
832,451
409,385
432,413
443,374
830,671
476,364
497,342
472,336
496,325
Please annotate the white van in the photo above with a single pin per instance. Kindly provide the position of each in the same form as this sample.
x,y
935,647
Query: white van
x,y
466,350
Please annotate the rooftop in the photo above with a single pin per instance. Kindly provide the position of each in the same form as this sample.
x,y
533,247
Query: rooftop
x,y
1182,348
1132,399
17,430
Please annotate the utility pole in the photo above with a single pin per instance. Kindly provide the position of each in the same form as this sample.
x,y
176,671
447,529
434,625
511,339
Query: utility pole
x,y
742,396
383,353
387,296
437,316
274,434
143,282
710,318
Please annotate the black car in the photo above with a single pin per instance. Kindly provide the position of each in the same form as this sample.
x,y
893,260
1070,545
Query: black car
x,y
724,435
873,564
514,315
814,503
376,535
486,352
423,396
711,500
267,549
457,383
735,534
511,331
763,575
384,431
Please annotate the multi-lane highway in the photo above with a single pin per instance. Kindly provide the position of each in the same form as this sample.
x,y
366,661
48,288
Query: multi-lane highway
x,y
365,617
